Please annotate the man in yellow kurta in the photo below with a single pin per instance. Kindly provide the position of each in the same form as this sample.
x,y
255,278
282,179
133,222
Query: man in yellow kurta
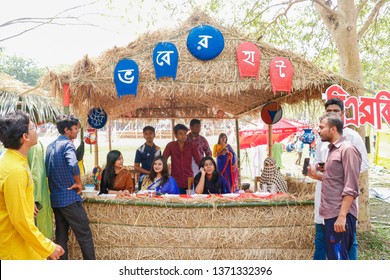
x,y
19,237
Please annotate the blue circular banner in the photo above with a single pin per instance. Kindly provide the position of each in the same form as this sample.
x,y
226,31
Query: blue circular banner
x,y
205,42
97,118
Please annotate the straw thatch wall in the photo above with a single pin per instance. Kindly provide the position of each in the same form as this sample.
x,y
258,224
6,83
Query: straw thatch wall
x,y
187,229
300,186
201,87
15,94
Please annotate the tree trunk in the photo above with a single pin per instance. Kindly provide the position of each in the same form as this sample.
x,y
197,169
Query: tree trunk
x,y
341,24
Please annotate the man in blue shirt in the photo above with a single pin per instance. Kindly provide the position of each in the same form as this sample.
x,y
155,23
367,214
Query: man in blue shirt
x,y
145,154
65,185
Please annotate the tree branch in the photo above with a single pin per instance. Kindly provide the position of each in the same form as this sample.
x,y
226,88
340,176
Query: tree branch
x,y
279,14
326,7
374,13
43,21
361,5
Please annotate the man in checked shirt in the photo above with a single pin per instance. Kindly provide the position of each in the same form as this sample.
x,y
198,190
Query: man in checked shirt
x,y
65,186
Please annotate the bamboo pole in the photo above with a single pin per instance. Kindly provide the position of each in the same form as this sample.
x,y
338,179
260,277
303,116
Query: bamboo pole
x,y
109,137
238,152
97,149
270,140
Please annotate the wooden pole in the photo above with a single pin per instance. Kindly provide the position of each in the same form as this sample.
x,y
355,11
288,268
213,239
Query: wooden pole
x,y
97,149
270,140
238,152
173,125
109,137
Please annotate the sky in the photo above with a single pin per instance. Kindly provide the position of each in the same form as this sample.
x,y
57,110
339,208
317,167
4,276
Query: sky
x,y
50,45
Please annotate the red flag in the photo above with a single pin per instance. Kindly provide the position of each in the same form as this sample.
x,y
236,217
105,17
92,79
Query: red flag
x,y
281,73
66,99
248,59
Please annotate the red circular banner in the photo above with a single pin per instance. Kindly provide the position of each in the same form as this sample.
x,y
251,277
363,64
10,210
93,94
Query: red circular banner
x,y
271,112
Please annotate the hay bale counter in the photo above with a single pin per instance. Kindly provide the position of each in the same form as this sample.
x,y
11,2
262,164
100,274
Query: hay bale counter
x,y
186,228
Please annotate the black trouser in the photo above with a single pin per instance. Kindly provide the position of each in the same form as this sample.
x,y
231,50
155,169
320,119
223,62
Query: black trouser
x,y
75,217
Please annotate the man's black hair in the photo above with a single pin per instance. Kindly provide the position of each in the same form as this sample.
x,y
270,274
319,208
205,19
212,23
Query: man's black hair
x,y
194,121
178,127
12,127
335,101
150,128
64,121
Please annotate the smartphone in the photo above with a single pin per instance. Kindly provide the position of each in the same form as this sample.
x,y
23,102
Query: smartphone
x,y
305,166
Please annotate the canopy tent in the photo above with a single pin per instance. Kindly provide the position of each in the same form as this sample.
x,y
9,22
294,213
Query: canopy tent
x,y
15,94
280,131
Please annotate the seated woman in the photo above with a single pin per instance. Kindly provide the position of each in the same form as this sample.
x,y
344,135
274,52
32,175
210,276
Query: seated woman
x,y
116,179
159,178
208,180
271,175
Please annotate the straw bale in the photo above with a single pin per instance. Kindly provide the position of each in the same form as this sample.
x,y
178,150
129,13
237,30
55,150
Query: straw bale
x,y
301,186
214,84
209,216
228,241
130,253
212,230
212,237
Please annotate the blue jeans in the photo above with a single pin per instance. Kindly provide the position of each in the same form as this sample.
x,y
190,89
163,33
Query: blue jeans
x,y
353,252
320,245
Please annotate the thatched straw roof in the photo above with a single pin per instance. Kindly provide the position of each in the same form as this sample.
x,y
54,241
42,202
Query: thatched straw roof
x,y
17,95
201,87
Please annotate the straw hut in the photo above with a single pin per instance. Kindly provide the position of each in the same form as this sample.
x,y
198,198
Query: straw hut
x,y
201,88
16,95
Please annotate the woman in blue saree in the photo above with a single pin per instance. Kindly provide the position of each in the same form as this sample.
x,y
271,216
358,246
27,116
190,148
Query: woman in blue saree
x,y
159,178
226,161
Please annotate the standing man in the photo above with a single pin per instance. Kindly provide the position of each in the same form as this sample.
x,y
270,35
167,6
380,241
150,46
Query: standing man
x,y
20,238
145,154
334,105
203,146
340,187
181,152
65,187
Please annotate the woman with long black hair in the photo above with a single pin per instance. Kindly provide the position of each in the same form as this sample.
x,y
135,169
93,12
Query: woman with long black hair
x,y
208,180
116,179
159,178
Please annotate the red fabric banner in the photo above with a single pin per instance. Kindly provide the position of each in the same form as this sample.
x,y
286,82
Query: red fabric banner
x,y
248,59
281,73
66,99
